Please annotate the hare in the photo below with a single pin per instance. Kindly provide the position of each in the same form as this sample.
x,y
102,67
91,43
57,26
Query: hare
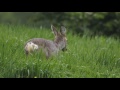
x,y
49,47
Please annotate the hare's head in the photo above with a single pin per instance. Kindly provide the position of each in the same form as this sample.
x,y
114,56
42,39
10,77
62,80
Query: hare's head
x,y
60,37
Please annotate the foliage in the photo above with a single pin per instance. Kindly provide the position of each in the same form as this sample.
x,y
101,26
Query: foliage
x,y
89,23
96,57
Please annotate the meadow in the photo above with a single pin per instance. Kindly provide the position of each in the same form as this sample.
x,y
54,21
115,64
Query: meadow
x,y
97,57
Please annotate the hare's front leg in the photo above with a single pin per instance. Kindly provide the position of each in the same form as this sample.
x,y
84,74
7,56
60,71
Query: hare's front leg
x,y
47,53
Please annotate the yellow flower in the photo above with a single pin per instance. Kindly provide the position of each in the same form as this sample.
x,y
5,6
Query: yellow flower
x,y
35,77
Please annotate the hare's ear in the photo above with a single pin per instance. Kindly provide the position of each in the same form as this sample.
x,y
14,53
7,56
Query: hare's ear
x,y
54,30
63,30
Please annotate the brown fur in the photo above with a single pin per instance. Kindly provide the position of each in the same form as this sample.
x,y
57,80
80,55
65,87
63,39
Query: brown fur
x,y
50,47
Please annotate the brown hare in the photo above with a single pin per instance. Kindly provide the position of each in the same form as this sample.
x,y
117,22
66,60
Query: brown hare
x,y
49,47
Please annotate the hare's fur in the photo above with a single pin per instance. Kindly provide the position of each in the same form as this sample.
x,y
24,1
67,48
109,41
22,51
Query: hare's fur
x,y
49,47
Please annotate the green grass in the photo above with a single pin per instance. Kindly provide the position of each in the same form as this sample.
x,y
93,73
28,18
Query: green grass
x,y
97,57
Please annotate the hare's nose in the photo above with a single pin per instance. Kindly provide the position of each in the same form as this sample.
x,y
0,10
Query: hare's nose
x,y
64,49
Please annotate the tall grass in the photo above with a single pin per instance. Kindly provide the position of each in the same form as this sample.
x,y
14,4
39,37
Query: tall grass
x,y
97,57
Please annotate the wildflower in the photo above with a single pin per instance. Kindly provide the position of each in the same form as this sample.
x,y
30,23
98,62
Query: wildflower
x,y
35,76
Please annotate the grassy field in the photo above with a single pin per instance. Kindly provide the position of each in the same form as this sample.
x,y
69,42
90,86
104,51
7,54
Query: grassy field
x,y
97,57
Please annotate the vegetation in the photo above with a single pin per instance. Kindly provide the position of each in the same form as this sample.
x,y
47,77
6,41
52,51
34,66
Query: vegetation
x,y
95,57
90,23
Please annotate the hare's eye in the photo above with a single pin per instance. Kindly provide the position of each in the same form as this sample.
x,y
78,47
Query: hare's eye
x,y
64,30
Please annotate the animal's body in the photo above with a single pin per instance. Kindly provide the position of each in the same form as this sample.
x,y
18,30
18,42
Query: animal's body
x,y
48,47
